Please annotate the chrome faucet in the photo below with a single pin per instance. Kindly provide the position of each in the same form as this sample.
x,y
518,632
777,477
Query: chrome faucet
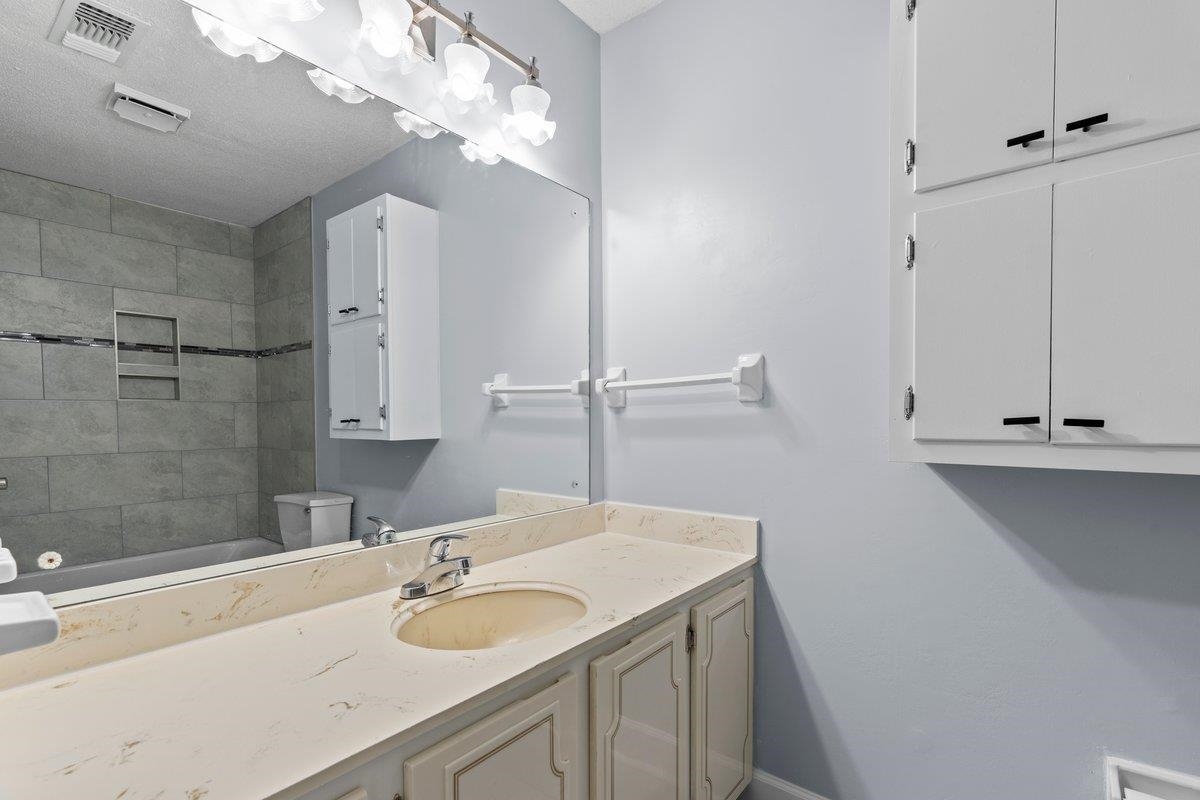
x,y
443,573
384,533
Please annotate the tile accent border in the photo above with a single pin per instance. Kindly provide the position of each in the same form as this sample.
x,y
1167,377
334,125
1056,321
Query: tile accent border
x,y
82,341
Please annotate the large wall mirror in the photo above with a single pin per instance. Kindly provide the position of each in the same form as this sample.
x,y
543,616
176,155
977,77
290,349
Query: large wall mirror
x,y
175,231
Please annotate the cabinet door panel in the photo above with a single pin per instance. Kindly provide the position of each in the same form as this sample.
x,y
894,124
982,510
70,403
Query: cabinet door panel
x,y
529,750
1126,343
982,319
984,76
723,694
1135,60
640,717
355,264
356,375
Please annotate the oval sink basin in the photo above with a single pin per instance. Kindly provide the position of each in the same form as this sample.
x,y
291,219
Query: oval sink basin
x,y
489,616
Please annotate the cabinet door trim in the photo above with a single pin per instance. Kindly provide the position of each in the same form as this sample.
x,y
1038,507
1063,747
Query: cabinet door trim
x,y
704,618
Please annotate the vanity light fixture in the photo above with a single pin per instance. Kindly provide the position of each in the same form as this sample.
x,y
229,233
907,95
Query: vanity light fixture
x,y
232,41
478,152
292,10
337,87
411,123
530,103
385,40
467,66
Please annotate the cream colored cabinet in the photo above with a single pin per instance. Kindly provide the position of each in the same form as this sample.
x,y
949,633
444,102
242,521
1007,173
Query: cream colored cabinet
x,y
640,717
723,694
529,750
672,711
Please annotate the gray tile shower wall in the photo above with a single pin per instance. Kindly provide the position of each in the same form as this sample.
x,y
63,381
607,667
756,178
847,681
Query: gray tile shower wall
x,y
283,316
95,477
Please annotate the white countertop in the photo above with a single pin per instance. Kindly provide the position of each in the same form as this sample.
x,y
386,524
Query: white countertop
x,y
251,711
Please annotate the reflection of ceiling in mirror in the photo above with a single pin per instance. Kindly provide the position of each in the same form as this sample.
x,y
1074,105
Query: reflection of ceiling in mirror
x,y
604,15
259,139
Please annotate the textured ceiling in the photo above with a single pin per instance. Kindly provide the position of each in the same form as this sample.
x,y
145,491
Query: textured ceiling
x,y
260,137
604,15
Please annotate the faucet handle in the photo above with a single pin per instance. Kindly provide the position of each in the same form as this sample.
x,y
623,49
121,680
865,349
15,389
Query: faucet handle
x,y
384,533
439,547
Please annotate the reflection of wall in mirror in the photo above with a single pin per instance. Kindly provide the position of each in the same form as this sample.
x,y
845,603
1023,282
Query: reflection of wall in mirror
x,y
514,298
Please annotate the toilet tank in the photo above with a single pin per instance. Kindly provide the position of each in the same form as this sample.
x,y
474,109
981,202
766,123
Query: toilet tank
x,y
312,519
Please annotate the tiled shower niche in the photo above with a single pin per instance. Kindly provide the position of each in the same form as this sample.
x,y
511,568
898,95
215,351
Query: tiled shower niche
x,y
147,356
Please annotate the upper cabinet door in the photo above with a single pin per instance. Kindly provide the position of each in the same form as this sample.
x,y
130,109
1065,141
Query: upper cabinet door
x,y
356,261
1127,72
356,378
1126,345
982,320
984,88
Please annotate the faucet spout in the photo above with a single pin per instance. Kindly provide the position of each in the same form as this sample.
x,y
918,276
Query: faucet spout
x,y
443,573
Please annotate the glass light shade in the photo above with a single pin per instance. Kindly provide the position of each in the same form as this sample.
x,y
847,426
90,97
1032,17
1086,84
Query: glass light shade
x,y
337,87
385,41
466,68
411,123
478,152
292,10
233,41
528,120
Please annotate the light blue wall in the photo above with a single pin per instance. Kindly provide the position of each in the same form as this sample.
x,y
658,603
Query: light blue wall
x,y
947,632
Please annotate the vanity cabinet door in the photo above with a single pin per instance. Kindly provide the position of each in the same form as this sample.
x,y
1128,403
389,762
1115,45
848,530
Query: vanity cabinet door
x,y
723,694
640,717
529,750
1126,347
356,372
1135,61
981,355
355,262
984,88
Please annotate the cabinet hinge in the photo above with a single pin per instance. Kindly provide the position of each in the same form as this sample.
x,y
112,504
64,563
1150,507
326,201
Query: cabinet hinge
x,y
910,402
331,351
382,337
327,247
910,8
690,639
331,413
379,222
383,412
910,251
381,295
910,156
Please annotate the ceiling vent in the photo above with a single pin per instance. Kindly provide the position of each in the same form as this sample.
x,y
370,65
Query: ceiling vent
x,y
97,30
142,109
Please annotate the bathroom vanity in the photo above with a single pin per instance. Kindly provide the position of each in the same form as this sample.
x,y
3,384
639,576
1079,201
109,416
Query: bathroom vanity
x,y
606,651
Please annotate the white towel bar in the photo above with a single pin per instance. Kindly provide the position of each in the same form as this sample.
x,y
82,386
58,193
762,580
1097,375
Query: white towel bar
x,y
747,375
499,387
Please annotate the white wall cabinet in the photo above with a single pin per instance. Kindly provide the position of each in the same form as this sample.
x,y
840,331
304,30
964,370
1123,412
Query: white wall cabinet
x,y
723,694
972,118
982,321
384,356
1005,86
1126,347
640,717
529,750
1135,63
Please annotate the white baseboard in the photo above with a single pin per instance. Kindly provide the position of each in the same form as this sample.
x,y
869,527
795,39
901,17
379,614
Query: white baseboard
x,y
766,786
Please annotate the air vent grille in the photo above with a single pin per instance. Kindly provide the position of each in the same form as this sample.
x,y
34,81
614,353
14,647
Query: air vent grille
x,y
98,31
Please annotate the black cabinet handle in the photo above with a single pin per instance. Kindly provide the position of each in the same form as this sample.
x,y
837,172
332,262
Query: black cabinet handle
x,y
1026,139
1075,422
1086,123
1022,420
350,310
347,421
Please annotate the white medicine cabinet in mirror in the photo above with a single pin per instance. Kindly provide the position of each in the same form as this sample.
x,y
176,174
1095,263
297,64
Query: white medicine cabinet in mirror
x,y
227,279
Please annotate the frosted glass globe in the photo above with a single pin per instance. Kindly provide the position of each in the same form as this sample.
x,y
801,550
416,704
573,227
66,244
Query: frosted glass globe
x,y
466,68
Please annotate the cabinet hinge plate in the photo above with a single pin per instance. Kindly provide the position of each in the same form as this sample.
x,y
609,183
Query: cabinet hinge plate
x,y
382,338
910,402
910,8
381,295
690,639
379,222
327,247
910,156
383,412
910,251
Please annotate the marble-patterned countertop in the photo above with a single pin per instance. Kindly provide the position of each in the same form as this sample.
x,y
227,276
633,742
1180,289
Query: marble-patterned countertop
x,y
251,711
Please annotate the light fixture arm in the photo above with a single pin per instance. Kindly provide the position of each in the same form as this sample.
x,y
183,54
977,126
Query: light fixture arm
x,y
432,9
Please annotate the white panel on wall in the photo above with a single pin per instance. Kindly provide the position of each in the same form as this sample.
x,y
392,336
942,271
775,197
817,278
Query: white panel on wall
x,y
984,77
